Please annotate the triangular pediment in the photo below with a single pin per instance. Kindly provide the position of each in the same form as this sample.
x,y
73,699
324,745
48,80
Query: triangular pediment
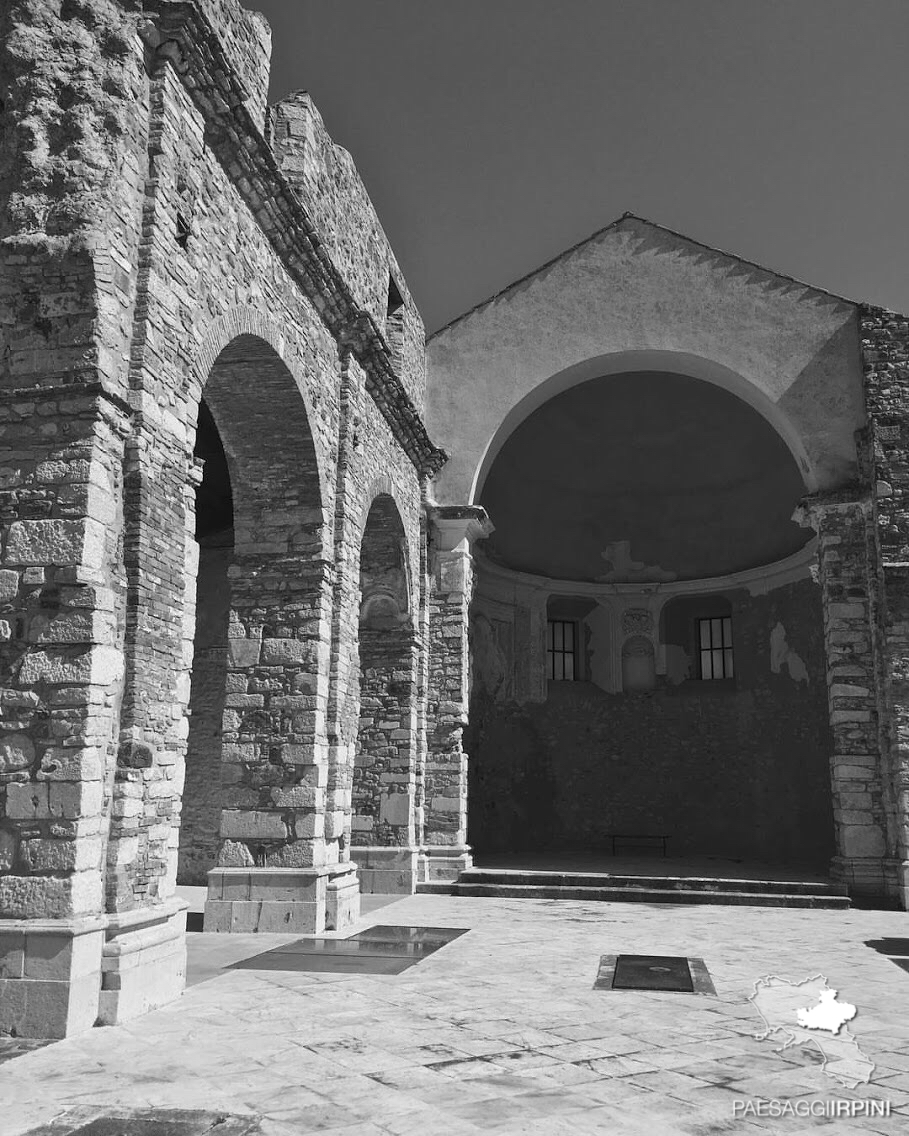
x,y
648,235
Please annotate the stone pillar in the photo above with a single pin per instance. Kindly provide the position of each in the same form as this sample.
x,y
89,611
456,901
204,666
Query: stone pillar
x,y
850,595
384,836
885,357
272,873
61,629
144,962
446,853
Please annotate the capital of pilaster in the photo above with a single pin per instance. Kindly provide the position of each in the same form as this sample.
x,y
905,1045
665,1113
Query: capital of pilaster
x,y
458,526
813,510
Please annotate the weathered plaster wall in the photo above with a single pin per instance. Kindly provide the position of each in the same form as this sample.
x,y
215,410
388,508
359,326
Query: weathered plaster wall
x,y
635,288
732,769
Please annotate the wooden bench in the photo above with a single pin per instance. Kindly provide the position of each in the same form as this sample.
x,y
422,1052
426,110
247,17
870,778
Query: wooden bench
x,y
639,839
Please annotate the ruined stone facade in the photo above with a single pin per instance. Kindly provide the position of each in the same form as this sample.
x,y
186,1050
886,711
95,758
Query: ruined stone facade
x,y
248,626
647,469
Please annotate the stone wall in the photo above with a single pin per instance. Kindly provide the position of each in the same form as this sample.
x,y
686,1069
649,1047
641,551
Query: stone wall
x,y
384,767
152,247
60,654
326,179
885,349
734,768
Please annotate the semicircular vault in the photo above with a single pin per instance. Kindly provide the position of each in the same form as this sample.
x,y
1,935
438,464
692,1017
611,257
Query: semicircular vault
x,y
643,476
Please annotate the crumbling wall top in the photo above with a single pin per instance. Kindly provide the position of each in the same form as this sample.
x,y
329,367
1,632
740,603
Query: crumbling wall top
x,y
245,38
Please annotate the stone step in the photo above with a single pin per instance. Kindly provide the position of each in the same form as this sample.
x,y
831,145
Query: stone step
x,y
639,893
511,876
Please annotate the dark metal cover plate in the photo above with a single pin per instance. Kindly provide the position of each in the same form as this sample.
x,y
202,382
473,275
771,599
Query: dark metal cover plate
x,y
652,972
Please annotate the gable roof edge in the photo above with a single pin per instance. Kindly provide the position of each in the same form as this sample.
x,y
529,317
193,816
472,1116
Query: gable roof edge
x,y
628,216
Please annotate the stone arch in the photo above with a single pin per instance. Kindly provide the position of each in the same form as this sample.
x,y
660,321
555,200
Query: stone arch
x,y
276,660
381,506
383,822
243,322
622,362
265,676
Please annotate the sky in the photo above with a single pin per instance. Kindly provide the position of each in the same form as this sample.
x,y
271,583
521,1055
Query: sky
x,y
493,134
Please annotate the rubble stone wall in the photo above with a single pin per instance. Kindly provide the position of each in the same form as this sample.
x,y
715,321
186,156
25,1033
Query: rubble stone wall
x,y
733,768
154,252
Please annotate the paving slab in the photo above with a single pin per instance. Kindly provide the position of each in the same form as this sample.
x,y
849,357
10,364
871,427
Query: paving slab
x,y
499,1031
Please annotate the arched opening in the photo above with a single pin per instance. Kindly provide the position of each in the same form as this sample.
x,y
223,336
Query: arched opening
x,y
384,773
645,362
201,814
256,754
593,714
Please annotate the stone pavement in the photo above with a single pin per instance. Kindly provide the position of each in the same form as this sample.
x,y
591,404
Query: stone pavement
x,y
500,1031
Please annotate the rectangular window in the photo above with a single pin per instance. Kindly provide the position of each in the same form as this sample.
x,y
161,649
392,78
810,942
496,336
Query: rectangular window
x,y
715,647
561,649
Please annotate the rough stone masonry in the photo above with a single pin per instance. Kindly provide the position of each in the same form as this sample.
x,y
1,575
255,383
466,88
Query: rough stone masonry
x,y
230,569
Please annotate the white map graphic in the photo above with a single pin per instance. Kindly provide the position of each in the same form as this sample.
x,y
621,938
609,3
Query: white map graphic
x,y
792,1019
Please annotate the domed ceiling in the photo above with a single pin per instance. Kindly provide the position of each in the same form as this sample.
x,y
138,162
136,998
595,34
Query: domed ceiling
x,y
643,476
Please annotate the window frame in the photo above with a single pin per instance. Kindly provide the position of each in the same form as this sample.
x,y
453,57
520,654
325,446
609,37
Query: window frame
x,y
714,649
562,653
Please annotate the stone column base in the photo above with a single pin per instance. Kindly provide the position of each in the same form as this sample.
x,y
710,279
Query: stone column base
x,y
443,862
901,888
384,870
342,897
50,975
896,882
277,900
144,961
868,877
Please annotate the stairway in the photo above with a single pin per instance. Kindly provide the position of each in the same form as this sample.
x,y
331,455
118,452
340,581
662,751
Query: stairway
x,y
522,883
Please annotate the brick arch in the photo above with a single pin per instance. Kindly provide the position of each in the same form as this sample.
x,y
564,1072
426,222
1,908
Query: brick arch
x,y
263,683
383,535
380,486
243,321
